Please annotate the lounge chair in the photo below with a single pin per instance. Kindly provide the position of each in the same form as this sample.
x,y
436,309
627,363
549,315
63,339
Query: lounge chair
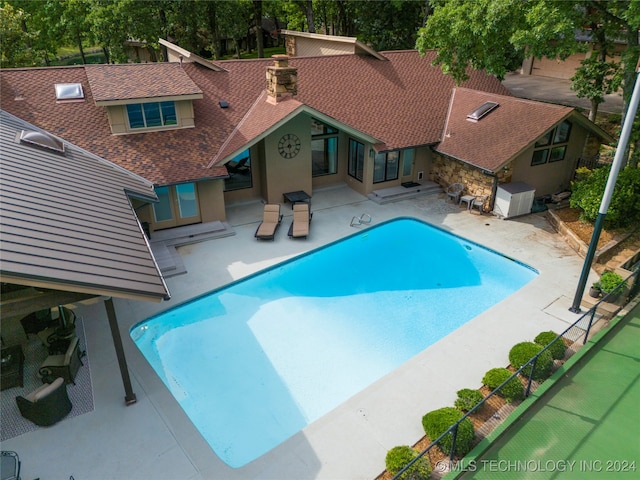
x,y
454,191
47,404
238,167
271,218
301,219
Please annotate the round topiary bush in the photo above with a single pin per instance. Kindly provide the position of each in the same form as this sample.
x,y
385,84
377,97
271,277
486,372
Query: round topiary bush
x,y
522,352
513,390
437,422
558,347
399,456
467,399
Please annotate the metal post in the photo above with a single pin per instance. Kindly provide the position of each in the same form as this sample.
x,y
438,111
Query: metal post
x,y
130,397
608,191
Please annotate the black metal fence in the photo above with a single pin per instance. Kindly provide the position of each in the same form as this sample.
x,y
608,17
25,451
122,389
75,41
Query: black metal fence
x,y
573,337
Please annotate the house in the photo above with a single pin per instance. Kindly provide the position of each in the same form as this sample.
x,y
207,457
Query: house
x,y
371,120
566,69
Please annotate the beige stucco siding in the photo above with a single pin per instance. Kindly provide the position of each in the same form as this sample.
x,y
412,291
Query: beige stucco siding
x,y
308,47
553,177
211,200
120,126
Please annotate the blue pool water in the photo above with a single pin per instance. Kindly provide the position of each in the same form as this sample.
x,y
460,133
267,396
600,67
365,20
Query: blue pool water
x,y
255,362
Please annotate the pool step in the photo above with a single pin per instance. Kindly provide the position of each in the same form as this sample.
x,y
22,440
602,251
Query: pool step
x,y
394,194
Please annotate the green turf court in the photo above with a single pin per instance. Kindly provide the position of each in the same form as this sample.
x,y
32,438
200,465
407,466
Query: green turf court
x,y
587,425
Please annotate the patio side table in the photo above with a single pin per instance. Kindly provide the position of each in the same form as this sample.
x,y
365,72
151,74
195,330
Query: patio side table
x,y
297,197
12,367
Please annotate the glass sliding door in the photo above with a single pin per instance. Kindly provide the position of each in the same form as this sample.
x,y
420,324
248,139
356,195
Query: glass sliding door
x,y
177,205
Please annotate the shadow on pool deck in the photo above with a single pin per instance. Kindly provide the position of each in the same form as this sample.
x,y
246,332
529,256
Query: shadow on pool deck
x,y
155,439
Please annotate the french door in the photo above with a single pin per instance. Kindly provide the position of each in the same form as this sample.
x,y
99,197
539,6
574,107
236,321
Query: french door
x,y
177,205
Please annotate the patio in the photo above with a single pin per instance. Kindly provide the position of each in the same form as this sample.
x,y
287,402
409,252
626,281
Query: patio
x,y
154,438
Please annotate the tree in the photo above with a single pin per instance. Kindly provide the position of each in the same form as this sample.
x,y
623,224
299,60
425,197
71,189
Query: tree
x,y
14,39
494,36
391,25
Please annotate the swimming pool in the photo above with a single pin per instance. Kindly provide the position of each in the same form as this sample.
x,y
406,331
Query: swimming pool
x,y
256,361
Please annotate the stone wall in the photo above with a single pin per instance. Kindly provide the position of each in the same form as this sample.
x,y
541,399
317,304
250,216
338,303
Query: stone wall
x,y
446,171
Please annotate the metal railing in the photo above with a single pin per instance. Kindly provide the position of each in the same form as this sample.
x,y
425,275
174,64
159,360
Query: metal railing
x,y
578,331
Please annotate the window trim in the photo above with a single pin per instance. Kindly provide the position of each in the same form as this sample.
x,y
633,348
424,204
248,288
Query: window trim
x,y
550,143
352,167
166,119
385,169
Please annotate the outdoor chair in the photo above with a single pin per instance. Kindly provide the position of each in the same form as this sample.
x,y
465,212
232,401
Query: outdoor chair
x,y
9,465
479,203
454,191
37,321
271,218
64,365
47,404
301,220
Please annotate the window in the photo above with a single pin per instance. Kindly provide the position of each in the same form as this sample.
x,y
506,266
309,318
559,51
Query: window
x,y
239,168
385,166
555,142
407,161
324,149
156,114
356,159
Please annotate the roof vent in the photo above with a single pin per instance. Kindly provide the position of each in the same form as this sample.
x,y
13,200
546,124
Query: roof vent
x,y
69,91
43,140
482,111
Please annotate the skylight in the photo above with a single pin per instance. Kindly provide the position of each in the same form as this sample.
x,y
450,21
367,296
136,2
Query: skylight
x,y
43,140
482,111
69,91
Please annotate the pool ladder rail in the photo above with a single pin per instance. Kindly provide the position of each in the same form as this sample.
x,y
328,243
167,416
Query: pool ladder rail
x,y
364,219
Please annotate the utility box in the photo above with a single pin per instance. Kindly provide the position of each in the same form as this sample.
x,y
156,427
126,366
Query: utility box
x,y
513,199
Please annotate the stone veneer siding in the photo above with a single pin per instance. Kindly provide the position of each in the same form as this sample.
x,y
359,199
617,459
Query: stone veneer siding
x,y
446,171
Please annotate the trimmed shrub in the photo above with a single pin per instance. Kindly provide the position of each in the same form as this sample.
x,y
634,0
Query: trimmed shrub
x,y
558,347
399,456
467,399
522,352
437,422
513,390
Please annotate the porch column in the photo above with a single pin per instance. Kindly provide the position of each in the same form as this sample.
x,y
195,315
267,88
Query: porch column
x,y
130,397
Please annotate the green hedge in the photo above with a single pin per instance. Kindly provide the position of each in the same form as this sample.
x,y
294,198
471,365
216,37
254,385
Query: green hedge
x,y
467,399
558,347
437,422
522,352
399,456
513,390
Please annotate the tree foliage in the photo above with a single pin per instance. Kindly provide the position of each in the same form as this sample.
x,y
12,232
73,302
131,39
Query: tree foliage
x,y
494,36
624,208
16,49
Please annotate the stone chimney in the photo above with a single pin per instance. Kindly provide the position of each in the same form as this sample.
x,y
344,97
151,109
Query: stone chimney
x,y
281,79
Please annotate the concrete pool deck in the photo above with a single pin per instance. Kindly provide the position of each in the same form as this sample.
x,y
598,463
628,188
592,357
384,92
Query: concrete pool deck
x,y
154,439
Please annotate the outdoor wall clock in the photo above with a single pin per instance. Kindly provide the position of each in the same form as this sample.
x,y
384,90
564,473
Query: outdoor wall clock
x,y
289,145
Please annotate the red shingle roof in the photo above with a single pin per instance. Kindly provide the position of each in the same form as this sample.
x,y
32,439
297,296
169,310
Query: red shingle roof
x,y
401,102
502,134
139,81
